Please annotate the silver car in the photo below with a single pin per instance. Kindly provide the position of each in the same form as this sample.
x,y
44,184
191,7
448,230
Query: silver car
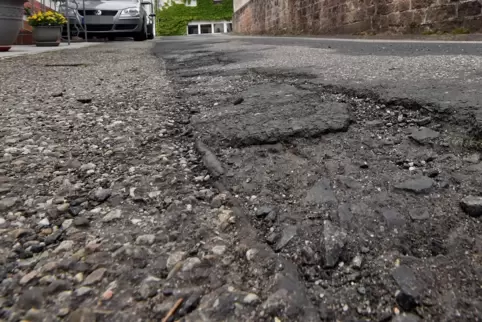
x,y
112,18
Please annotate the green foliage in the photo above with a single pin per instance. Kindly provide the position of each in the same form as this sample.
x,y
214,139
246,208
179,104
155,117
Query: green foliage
x,y
173,19
460,31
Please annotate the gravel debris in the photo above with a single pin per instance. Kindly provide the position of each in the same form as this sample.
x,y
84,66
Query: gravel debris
x,y
104,203
355,183
141,182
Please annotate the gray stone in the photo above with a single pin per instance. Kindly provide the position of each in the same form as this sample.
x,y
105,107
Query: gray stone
x,y
27,278
334,239
288,296
87,167
423,135
146,239
44,222
472,205
473,158
264,211
308,255
95,277
251,254
419,185
32,298
219,250
102,194
321,193
7,203
63,312
81,222
393,218
272,238
374,123
419,214
174,258
251,298
149,287
4,188
410,287
357,262
64,246
58,286
63,207
286,236
190,263
83,290
211,162
191,303
218,200
112,215
67,223
34,315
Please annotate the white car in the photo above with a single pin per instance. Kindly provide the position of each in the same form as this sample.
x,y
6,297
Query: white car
x,y
112,18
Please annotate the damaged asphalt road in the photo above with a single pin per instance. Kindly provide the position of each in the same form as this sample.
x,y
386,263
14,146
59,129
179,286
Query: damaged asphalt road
x,y
355,164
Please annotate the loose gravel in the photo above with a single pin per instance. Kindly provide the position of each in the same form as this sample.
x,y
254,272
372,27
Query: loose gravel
x,y
200,182
106,210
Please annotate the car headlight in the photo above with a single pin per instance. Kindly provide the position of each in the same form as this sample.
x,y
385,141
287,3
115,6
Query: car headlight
x,y
68,12
130,12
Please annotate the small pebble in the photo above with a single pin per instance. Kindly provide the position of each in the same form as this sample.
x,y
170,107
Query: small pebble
x,y
107,295
251,298
219,250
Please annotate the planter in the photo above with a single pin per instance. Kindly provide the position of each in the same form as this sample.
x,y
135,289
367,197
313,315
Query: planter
x,y
11,21
47,36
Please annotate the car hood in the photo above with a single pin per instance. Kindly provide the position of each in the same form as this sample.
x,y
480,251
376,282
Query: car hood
x,y
107,5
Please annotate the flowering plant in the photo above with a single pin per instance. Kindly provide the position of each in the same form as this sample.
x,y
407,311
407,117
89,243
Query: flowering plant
x,y
48,18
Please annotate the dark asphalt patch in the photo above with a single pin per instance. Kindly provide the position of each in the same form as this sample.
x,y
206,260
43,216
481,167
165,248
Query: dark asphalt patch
x,y
270,114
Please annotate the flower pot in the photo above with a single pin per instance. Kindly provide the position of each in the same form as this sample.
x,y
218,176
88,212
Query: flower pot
x,y
11,21
46,36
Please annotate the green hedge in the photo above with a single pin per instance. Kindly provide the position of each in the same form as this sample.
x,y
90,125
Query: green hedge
x,y
173,19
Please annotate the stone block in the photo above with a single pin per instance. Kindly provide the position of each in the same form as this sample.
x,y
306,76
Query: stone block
x,y
469,8
474,24
394,19
441,13
402,5
422,4
385,8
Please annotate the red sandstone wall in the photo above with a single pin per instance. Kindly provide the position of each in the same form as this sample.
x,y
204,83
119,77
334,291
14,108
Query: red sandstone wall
x,y
354,16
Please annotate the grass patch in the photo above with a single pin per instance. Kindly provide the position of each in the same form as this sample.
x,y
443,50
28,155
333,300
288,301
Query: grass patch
x,y
460,31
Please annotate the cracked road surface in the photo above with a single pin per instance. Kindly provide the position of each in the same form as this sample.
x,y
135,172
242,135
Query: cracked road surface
x,y
241,179
351,160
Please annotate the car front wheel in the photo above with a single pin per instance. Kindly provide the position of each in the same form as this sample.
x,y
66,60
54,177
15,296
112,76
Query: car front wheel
x,y
141,35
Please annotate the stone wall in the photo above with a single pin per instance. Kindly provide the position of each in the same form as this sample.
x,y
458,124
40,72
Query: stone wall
x,y
355,16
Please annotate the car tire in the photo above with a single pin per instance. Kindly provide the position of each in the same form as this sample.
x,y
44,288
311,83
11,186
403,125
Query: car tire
x,y
141,35
150,32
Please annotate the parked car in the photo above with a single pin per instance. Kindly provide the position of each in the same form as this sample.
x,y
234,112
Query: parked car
x,y
112,18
